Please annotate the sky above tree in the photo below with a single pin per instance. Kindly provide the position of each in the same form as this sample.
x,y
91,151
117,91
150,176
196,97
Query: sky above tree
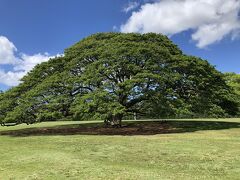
x,y
33,31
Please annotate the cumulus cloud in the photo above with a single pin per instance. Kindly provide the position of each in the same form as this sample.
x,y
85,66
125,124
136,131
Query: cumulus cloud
x,y
27,62
130,6
7,50
210,20
20,64
11,78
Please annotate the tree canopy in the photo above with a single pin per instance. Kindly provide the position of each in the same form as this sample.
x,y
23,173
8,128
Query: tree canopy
x,y
233,80
111,76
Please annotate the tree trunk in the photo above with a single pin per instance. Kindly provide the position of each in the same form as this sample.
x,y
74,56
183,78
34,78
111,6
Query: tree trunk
x,y
117,120
114,120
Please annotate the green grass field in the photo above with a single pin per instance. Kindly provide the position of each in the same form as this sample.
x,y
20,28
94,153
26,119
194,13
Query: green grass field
x,y
176,149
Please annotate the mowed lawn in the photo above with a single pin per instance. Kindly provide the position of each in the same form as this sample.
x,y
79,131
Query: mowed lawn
x,y
176,149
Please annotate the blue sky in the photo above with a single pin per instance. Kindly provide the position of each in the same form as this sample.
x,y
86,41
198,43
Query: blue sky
x,y
31,31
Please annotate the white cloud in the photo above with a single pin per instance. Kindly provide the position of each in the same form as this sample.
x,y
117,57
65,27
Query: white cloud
x,y
130,6
20,65
210,20
27,62
7,50
11,78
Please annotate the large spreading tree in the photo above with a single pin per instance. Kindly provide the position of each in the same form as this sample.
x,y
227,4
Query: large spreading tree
x,y
111,76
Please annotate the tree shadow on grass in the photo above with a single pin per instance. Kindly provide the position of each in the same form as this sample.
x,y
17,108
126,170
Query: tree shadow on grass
x,y
129,128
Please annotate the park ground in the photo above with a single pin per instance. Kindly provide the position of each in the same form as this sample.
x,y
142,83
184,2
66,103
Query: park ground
x,y
172,149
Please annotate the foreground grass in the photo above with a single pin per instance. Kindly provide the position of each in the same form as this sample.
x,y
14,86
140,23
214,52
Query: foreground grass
x,y
191,149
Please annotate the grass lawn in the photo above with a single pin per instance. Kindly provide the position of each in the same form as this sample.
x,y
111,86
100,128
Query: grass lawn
x,y
176,149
